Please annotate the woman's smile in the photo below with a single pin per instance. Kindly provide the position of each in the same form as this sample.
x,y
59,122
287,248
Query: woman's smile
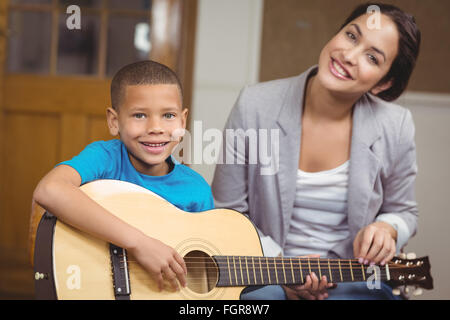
x,y
339,71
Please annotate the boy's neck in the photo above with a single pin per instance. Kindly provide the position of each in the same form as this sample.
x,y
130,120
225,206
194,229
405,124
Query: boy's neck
x,y
155,170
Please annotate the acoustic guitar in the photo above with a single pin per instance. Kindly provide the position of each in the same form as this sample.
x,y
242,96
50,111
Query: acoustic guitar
x,y
221,249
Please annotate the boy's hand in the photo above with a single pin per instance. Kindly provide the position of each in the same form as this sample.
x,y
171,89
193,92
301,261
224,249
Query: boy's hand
x,y
312,289
161,261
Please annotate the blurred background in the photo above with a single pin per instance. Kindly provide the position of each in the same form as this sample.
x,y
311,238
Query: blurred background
x,y
54,90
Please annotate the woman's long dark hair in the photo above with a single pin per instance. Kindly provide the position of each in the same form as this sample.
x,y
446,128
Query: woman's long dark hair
x,y
408,48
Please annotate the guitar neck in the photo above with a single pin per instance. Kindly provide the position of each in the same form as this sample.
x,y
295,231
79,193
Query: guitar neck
x,y
247,271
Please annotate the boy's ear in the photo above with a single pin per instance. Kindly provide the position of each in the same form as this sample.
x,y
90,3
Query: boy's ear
x,y
382,87
113,121
184,115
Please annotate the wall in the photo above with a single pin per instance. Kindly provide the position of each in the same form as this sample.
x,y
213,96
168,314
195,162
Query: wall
x,y
294,33
431,113
226,59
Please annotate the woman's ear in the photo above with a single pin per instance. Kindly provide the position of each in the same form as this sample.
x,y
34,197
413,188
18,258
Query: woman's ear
x,y
381,87
113,121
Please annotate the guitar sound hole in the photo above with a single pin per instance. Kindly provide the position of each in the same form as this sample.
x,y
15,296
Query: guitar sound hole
x,y
202,273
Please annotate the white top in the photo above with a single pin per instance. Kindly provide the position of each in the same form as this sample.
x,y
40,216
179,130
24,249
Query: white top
x,y
319,219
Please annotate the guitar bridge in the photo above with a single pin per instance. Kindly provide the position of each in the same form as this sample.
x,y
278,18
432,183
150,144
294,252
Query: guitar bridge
x,y
120,274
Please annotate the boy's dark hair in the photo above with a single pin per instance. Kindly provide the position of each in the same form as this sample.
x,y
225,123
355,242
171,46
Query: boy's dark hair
x,y
408,47
141,73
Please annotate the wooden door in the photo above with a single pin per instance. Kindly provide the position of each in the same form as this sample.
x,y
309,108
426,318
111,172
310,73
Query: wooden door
x,y
54,91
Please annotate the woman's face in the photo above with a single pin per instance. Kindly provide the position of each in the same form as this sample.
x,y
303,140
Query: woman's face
x,y
358,57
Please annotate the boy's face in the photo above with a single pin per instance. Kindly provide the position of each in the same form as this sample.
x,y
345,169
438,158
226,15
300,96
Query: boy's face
x,y
149,122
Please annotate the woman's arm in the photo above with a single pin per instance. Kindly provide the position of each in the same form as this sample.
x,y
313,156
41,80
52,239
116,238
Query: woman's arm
x,y
397,221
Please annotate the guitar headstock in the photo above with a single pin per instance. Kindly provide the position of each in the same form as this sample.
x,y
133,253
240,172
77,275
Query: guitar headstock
x,y
407,270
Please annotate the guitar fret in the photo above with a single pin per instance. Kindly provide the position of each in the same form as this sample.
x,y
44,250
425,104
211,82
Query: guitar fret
x,y
335,275
301,272
276,271
388,276
268,269
351,269
254,272
358,271
229,270
284,270
320,273
362,270
261,269
309,266
235,270
329,269
243,270
248,276
292,270
240,268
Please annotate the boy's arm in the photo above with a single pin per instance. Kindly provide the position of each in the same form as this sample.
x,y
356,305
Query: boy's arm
x,y
59,193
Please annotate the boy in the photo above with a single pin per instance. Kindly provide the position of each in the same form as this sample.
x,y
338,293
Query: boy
x,y
148,116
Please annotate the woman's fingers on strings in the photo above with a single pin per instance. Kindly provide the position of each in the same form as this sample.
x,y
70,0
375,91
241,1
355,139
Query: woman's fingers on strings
x,y
307,284
366,243
323,284
384,252
376,249
391,252
323,288
373,252
315,282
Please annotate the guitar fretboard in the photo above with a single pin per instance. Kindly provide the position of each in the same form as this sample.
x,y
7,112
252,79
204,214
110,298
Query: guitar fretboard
x,y
246,271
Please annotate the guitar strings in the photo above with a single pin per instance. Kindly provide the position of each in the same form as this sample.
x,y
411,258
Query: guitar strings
x,y
285,261
232,268
271,260
273,265
268,258
200,280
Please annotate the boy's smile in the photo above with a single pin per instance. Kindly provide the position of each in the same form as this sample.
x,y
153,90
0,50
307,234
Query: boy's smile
x,y
148,122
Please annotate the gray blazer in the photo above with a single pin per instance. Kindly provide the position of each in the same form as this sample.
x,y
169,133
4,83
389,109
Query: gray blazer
x,y
382,163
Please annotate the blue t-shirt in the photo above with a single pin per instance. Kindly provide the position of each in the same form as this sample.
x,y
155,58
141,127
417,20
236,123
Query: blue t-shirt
x,y
183,187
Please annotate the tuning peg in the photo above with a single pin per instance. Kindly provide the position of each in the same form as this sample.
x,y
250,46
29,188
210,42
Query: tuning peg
x,y
411,256
396,292
402,255
418,292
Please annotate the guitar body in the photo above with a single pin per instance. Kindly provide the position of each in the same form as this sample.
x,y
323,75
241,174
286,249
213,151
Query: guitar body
x,y
76,265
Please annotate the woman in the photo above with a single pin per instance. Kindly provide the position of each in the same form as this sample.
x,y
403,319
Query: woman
x,y
344,180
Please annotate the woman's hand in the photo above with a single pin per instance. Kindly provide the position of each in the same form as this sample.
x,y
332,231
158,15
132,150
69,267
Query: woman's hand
x,y
161,261
312,289
375,243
